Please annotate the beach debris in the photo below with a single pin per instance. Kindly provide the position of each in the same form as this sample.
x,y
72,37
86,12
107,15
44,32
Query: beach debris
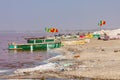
x,y
43,78
102,49
77,56
116,50
67,64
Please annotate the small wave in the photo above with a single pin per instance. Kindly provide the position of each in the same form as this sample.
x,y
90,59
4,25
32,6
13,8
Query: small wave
x,y
7,72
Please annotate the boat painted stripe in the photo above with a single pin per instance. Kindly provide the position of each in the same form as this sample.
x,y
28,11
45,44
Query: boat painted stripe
x,y
34,41
31,47
15,46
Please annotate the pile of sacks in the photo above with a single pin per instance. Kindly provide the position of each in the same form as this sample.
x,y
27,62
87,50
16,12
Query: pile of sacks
x,y
113,34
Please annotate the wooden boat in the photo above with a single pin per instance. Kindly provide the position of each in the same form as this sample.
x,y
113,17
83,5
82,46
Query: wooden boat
x,y
34,44
39,40
34,47
75,42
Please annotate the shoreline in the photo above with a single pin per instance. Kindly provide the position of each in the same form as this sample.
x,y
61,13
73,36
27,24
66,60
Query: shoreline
x,y
95,60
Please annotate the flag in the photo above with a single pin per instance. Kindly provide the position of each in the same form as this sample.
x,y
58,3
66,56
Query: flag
x,y
52,30
101,23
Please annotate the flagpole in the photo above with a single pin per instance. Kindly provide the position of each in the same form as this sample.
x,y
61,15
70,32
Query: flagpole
x,y
100,24
100,28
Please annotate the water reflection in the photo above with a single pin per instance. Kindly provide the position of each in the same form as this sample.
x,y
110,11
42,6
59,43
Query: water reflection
x,y
10,59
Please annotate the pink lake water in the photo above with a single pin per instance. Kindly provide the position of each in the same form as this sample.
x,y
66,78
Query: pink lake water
x,y
14,59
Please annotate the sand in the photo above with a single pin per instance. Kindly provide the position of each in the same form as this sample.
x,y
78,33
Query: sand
x,y
97,59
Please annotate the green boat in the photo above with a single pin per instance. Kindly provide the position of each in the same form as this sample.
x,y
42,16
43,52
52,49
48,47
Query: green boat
x,y
34,44
96,35
39,40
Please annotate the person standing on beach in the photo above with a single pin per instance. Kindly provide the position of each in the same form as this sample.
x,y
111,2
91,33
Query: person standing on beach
x,y
106,37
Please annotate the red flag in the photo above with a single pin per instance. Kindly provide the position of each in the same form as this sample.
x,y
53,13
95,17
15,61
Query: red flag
x,y
103,22
56,30
52,30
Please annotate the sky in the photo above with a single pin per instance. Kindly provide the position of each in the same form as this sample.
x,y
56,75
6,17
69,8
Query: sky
x,y
35,15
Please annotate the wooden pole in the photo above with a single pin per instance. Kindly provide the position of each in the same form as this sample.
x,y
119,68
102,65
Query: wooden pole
x,y
100,28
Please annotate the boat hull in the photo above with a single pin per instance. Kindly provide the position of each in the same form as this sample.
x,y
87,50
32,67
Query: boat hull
x,y
39,40
74,42
34,47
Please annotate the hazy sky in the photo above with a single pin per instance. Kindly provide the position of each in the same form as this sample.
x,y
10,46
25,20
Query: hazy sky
x,y
32,15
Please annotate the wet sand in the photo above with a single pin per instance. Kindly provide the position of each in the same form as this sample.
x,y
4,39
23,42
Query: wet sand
x,y
95,60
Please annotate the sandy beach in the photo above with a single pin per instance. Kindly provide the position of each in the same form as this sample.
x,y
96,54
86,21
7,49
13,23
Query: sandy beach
x,y
97,59
59,39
